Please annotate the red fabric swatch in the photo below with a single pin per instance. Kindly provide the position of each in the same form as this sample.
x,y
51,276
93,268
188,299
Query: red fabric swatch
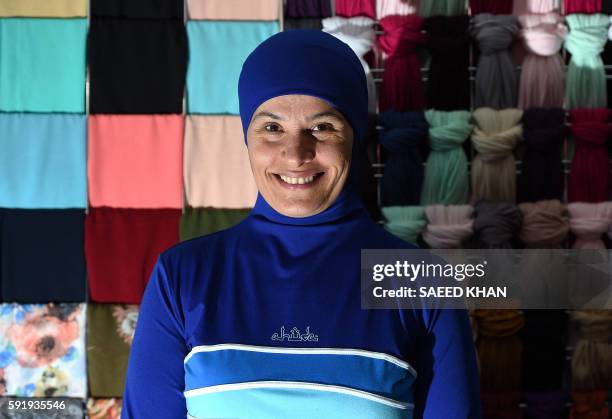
x,y
589,175
582,6
121,247
401,88
350,8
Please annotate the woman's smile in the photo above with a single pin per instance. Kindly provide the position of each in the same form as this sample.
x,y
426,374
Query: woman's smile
x,y
294,181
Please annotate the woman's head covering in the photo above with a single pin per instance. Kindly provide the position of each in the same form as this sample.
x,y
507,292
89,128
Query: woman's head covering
x,y
314,63
306,62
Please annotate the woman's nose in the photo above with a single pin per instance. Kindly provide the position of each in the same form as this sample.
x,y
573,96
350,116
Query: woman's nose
x,y
299,148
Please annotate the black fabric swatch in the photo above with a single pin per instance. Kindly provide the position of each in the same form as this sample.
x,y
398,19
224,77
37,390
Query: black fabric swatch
x,y
138,9
544,340
137,66
448,87
290,24
308,8
542,175
42,256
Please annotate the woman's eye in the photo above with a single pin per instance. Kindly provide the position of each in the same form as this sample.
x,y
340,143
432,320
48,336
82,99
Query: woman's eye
x,y
272,127
323,127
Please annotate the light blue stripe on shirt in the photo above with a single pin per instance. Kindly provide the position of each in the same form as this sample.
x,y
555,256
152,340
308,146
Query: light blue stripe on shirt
x,y
295,400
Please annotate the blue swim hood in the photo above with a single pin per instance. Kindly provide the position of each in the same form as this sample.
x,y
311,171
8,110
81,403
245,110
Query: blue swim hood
x,y
307,62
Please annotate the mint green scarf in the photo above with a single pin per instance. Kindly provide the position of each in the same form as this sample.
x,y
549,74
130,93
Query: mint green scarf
x,y
405,222
446,172
586,77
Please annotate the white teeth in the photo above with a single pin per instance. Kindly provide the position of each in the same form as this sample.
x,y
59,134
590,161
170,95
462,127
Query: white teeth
x,y
297,180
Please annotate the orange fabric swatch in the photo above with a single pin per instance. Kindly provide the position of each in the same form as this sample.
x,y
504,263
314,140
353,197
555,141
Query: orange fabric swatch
x,y
233,9
135,161
216,167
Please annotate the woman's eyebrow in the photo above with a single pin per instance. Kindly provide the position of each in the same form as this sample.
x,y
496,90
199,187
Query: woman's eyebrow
x,y
268,115
325,113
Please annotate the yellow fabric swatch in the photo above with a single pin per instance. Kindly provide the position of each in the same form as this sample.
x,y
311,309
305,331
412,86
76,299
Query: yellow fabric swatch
x,y
43,8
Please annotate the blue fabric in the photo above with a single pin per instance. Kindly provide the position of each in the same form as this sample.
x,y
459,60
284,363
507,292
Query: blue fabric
x,y
243,284
214,68
43,161
362,372
291,403
338,76
42,65
404,134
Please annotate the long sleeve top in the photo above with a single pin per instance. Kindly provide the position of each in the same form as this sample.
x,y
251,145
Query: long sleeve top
x,y
264,321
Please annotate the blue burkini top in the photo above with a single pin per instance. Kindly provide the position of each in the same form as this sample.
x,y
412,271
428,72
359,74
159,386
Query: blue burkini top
x,y
264,320
260,321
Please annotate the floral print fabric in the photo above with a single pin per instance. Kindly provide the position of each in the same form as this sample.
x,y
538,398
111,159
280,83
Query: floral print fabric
x,y
104,408
42,348
110,329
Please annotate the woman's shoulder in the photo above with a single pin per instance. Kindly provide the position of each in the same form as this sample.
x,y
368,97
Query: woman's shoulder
x,y
189,267
201,246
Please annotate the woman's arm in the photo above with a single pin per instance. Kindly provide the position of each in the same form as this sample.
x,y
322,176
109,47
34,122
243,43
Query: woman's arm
x,y
155,376
447,385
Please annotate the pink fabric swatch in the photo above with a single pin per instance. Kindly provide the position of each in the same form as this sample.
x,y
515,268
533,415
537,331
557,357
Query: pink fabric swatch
x,y
448,226
521,7
233,9
216,168
543,74
135,161
589,222
396,7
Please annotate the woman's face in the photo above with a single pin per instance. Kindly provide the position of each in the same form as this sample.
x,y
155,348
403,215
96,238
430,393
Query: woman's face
x,y
300,152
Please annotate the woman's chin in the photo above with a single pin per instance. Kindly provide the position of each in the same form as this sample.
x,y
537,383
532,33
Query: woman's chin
x,y
299,209
299,200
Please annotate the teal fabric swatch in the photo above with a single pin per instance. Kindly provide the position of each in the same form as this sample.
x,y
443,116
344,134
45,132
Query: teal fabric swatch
x,y
43,161
446,171
586,76
42,65
407,223
216,53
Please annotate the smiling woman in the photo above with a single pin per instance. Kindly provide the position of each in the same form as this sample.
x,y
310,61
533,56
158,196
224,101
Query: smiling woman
x,y
264,320
300,152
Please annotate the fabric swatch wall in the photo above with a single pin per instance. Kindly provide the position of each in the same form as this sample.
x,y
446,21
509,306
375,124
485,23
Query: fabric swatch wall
x,y
120,136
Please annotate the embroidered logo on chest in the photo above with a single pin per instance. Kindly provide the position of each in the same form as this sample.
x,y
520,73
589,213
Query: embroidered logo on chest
x,y
295,335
